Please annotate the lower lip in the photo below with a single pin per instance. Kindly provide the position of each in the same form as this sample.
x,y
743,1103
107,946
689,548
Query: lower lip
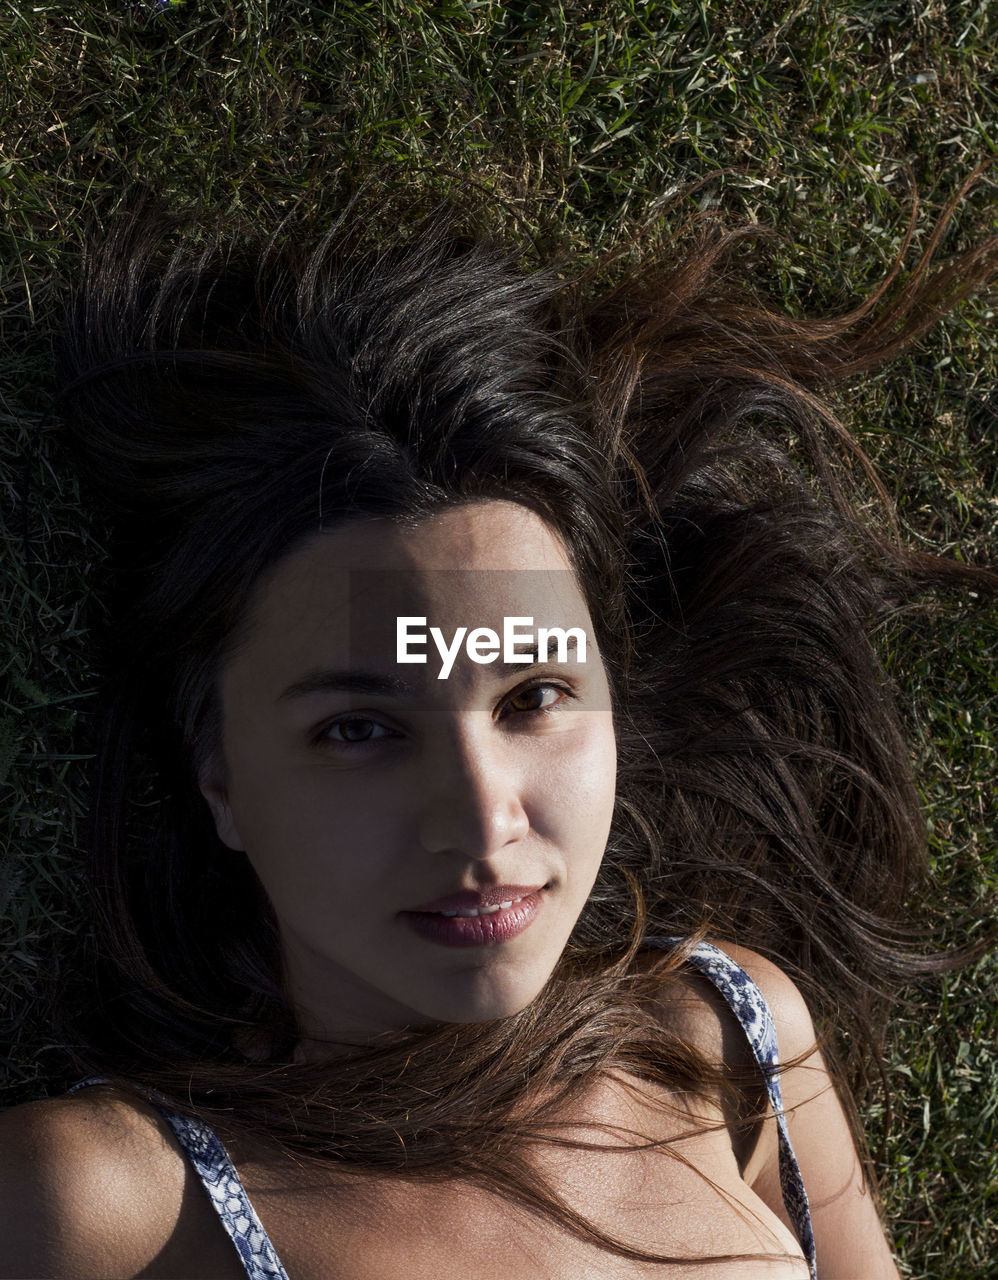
x,y
475,931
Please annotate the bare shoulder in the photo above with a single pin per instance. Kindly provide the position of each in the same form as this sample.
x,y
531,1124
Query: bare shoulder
x,y
803,1075
849,1235
696,1009
791,1016
90,1184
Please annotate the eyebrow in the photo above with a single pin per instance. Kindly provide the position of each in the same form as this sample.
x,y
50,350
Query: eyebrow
x,y
328,680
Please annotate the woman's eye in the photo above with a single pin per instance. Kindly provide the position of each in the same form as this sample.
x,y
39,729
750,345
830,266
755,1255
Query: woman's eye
x,y
356,729
539,697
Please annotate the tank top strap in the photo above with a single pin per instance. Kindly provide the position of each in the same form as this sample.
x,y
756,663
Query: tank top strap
x,y
749,1006
218,1174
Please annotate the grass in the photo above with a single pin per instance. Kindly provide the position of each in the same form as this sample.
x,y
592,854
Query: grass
x,y
575,122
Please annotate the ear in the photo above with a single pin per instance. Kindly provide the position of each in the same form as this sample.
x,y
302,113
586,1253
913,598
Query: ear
x,y
212,786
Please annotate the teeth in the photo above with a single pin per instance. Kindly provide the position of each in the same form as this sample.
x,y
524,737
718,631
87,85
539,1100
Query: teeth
x,y
470,913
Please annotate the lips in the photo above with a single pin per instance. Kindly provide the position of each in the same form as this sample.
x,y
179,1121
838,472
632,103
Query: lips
x,y
500,924
471,899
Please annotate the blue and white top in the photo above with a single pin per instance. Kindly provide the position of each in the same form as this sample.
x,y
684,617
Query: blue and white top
x,y
215,1169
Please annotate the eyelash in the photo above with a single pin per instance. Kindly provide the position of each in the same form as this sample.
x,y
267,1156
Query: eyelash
x,y
323,739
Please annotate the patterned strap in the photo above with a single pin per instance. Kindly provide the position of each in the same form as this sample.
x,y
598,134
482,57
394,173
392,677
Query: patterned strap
x,y
749,1006
228,1195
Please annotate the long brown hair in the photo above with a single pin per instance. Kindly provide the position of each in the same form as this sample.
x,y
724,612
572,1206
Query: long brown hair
x,y
676,431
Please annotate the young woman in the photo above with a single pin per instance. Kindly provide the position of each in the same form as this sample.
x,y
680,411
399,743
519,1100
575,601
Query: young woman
x,y
483,962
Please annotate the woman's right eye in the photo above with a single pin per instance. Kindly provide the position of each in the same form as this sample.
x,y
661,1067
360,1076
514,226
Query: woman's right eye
x,y
354,730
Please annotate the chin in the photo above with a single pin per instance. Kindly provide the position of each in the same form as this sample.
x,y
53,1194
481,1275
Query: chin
x,y
491,1012
486,1006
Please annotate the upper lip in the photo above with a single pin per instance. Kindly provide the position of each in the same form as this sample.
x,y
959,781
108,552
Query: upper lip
x,y
491,896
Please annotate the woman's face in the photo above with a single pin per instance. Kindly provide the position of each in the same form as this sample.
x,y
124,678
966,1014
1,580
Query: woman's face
x,y
367,791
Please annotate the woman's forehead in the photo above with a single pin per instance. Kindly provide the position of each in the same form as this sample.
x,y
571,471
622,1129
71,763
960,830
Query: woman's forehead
x,y
355,589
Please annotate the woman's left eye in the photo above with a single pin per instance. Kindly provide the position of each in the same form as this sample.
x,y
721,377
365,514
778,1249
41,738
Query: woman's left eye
x,y
538,697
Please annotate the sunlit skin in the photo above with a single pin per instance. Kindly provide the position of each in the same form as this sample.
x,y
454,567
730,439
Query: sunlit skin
x,y
354,807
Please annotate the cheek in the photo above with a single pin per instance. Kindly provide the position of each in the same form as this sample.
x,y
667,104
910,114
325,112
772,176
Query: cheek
x,y
310,833
575,788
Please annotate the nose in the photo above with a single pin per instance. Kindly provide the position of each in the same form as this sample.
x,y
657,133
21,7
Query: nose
x,y
472,797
